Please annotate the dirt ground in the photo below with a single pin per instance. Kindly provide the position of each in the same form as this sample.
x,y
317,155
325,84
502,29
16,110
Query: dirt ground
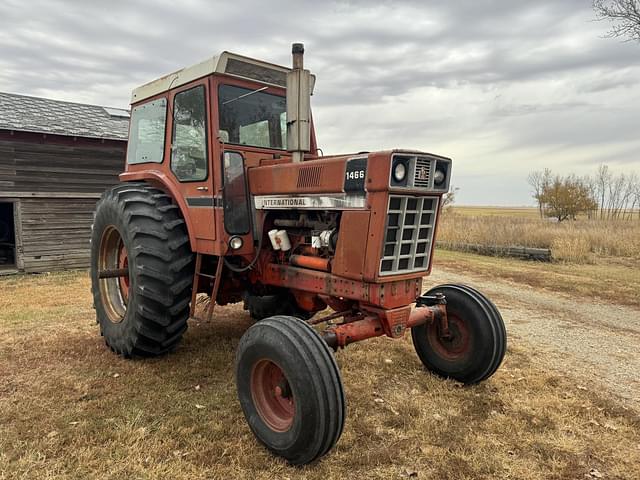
x,y
563,405
582,337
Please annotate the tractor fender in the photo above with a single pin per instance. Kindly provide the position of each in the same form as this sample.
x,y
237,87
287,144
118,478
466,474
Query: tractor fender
x,y
159,180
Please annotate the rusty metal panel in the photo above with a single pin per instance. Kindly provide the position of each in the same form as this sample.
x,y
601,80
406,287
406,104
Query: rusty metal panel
x,y
349,258
392,294
378,205
292,178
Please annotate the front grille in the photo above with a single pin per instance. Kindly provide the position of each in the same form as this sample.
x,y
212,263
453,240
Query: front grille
x,y
422,175
408,234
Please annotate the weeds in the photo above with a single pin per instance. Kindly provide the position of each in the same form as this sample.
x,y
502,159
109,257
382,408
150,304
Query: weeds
x,y
571,241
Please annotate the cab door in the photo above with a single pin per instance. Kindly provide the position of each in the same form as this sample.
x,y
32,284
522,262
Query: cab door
x,y
190,160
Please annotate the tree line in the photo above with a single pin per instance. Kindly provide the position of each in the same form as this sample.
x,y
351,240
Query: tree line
x,y
603,195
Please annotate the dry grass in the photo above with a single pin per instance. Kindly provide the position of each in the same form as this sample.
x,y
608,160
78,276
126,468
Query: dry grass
x,y
609,279
69,408
578,241
522,212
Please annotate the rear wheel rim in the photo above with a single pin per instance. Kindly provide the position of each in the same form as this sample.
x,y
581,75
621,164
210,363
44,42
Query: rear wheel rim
x,y
114,292
123,262
457,346
272,395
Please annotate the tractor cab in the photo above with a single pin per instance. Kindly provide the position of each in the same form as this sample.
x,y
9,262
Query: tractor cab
x,y
196,132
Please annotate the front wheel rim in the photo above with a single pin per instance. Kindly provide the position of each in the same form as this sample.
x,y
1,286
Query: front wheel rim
x,y
114,292
457,345
272,395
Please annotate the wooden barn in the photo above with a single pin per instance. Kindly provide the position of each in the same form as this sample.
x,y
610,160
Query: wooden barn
x,y
56,158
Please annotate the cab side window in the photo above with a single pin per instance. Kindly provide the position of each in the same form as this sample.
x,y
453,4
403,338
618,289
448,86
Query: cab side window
x,y
189,141
146,136
237,216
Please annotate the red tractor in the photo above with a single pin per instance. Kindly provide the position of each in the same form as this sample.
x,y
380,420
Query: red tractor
x,y
224,193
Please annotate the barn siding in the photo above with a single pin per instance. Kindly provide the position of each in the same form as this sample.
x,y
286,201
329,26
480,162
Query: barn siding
x,y
56,182
46,167
56,233
7,166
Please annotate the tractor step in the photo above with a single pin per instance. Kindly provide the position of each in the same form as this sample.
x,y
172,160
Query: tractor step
x,y
207,275
196,284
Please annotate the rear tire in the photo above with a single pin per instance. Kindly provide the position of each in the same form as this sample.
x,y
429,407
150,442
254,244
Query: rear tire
x,y
478,337
145,312
290,389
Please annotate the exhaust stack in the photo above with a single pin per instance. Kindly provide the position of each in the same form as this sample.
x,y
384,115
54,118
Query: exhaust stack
x,y
298,105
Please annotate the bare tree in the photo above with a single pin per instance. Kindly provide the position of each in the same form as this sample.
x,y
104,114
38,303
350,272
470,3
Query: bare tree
x,y
534,179
449,198
591,183
636,196
538,180
615,192
628,195
603,177
631,195
624,16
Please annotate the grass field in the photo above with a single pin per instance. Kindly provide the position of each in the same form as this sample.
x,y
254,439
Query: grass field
x,y
581,241
69,408
521,212
609,279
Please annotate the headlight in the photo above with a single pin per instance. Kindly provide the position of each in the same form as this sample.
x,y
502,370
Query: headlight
x,y
399,172
235,242
439,177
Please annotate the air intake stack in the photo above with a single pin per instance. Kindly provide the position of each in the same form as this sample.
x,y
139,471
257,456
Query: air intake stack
x,y
298,105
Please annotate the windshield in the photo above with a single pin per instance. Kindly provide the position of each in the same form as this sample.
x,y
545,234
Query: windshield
x,y
252,117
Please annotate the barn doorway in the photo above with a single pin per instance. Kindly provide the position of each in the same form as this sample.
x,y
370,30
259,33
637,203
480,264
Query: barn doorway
x,y
7,237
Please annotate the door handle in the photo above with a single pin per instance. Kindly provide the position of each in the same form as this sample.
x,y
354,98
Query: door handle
x,y
202,189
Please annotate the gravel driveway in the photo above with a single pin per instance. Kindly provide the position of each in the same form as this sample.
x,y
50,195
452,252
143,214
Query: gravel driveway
x,y
596,343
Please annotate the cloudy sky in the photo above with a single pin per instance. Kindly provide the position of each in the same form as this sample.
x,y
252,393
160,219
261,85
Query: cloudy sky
x,y
503,87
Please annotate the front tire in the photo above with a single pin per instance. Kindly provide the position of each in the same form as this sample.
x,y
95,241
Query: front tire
x,y
478,339
290,389
139,229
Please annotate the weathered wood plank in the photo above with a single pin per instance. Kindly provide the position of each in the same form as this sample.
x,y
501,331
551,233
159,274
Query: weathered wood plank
x,y
542,254
17,219
47,167
56,233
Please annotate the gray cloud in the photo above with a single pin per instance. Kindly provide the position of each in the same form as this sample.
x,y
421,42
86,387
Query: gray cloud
x,y
502,86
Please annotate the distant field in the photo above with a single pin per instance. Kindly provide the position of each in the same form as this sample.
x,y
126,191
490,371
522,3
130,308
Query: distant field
x,y
528,212
580,241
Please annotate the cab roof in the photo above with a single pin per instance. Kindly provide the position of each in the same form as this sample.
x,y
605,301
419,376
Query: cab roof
x,y
227,63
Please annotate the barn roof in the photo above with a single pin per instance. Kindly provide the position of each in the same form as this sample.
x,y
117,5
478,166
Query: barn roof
x,y
42,115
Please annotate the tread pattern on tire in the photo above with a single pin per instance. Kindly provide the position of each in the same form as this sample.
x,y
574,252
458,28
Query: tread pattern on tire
x,y
498,322
495,325
159,252
317,358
